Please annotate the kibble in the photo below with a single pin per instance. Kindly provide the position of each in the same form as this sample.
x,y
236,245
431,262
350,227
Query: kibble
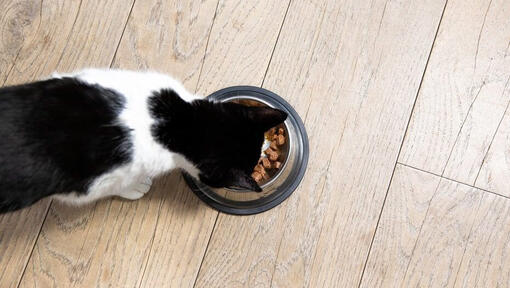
x,y
259,168
273,145
272,154
280,140
266,163
256,176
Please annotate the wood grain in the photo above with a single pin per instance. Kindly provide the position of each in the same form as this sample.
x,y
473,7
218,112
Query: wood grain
x,y
109,243
485,260
332,63
443,237
457,239
495,172
403,215
493,95
181,235
462,99
42,45
73,240
241,43
18,233
167,36
18,20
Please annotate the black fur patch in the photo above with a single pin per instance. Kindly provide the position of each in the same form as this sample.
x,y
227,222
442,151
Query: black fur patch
x,y
222,139
57,136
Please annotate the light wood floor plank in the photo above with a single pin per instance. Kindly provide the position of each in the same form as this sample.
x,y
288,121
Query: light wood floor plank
x,y
167,36
495,172
241,43
18,19
443,236
403,215
181,237
463,98
493,95
18,234
451,235
485,261
41,49
332,62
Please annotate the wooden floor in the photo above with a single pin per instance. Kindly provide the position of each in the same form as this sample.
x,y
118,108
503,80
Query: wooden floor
x,y
406,106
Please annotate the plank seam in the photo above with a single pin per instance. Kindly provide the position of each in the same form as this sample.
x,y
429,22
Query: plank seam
x,y
467,239
400,149
70,33
7,77
419,232
494,135
35,243
196,89
305,119
207,46
481,31
122,34
206,248
151,242
453,180
261,85
322,191
276,43
461,127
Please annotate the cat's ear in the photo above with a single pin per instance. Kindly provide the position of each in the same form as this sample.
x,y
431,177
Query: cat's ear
x,y
245,181
266,117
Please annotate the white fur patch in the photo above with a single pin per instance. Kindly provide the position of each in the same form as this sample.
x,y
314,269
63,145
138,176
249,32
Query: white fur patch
x,y
149,158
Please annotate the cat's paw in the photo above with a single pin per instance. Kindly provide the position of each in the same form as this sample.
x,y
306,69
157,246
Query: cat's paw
x,y
56,75
131,195
138,190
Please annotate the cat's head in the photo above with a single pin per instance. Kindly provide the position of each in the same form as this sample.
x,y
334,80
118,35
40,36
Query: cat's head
x,y
222,140
235,139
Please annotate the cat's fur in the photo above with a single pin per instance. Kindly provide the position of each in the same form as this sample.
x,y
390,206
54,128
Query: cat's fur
x,y
98,133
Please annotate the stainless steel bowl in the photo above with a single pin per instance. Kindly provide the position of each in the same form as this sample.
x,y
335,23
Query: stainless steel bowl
x,y
276,189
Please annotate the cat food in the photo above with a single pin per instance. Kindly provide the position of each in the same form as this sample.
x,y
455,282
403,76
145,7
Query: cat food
x,y
280,140
270,156
273,145
266,163
256,176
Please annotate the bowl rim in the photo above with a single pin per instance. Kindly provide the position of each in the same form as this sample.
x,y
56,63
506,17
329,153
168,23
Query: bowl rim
x,y
253,91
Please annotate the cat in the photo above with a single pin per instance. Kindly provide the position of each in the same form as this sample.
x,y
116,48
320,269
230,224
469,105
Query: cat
x,y
97,133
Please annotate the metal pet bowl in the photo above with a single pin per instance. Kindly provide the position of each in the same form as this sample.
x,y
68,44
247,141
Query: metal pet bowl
x,y
281,182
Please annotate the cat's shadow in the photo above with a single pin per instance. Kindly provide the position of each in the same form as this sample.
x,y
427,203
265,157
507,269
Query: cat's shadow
x,y
169,199
173,193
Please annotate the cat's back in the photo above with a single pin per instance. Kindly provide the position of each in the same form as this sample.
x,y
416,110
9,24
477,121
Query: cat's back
x,y
57,135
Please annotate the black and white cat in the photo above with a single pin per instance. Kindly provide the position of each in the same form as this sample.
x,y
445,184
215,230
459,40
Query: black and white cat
x,y
98,133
